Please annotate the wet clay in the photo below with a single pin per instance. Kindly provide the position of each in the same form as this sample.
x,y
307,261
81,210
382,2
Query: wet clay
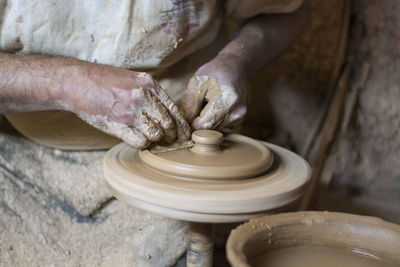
x,y
136,177
220,99
317,257
327,237
157,148
198,88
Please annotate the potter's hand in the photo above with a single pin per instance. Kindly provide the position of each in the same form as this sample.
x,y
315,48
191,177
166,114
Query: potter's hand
x,y
222,84
222,81
127,104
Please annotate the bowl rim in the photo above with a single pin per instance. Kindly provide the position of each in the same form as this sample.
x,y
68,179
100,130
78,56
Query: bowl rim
x,y
247,232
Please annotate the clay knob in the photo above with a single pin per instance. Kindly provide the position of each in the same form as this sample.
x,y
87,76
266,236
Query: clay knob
x,y
206,141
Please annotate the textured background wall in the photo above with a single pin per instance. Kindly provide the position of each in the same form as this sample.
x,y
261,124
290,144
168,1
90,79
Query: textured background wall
x,y
287,98
362,172
364,165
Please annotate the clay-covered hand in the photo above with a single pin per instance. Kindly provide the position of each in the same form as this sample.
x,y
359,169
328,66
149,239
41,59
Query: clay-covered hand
x,y
220,83
127,104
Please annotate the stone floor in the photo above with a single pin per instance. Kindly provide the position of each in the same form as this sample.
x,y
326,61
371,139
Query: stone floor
x,y
56,210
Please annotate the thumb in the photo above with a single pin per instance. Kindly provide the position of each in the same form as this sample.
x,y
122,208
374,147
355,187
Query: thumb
x,y
192,100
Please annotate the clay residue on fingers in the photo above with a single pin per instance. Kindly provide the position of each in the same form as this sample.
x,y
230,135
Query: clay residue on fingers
x,y
149,128
193,98
149,115
213,90
143,75
161,117
129,134
156,116
182,127
233,120
221,99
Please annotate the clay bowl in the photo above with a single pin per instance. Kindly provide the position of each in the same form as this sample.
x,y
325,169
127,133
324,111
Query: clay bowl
x,y
366,237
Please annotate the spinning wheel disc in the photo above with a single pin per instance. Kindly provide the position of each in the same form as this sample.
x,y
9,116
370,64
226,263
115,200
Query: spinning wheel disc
x,y
141,185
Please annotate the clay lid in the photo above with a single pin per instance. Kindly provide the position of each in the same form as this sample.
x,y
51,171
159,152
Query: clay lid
x,y
213,157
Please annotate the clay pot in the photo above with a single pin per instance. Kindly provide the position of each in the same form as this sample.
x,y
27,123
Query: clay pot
x,y
219,179
367,236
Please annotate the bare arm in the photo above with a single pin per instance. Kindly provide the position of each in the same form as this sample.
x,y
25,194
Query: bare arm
x,y
255,45
263,38
127,104
25,85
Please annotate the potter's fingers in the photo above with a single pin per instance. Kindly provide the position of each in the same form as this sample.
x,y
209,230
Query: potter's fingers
x,y
135,138
210,117
149,128
221,100
233,120
125,132
183,128
190,103
158,114
218,106
167,123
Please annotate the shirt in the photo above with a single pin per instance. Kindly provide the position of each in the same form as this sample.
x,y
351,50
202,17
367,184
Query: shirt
x,y
134,34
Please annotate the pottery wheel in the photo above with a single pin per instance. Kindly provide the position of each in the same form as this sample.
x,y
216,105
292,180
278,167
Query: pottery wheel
x,y
220,179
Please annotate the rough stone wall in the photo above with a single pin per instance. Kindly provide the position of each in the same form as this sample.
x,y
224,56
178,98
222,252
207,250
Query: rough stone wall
x,y
364,165
286,99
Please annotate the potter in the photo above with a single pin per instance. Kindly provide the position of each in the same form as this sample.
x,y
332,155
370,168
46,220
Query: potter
x,y
109,72
108,64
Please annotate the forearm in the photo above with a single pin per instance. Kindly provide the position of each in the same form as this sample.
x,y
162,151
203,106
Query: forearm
x,y
264,37
128,104
28,83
